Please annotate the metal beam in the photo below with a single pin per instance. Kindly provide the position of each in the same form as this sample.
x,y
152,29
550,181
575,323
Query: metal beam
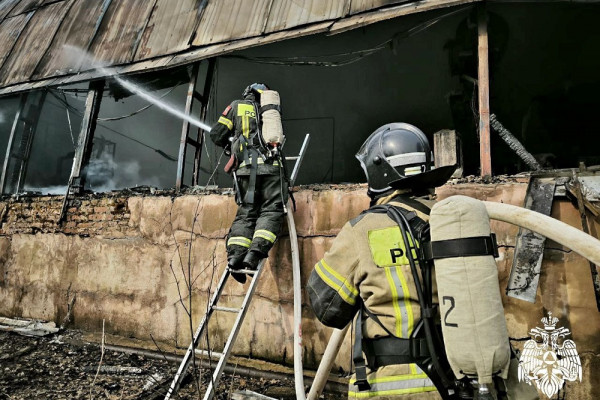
x,y
186,127
88,127
484,92
29,131
11,140
203,112
84,142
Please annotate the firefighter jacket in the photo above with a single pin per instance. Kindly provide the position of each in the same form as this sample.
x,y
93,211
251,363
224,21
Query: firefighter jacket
x,y
367,264
239,120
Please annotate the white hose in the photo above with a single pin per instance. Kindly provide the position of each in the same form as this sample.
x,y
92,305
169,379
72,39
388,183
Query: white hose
x,y
297,282
333,347
576,240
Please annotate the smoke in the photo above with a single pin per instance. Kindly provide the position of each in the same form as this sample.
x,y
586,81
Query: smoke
x,y
104,174
58,189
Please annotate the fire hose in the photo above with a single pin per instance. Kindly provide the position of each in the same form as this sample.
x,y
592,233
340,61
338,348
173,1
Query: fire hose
x,y
566,235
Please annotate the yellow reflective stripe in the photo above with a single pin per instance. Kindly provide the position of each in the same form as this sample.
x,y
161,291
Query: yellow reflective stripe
x,y
347,284
246,111
270,236
413,368
330,279
395,384
394,378
365,395
240,241
245,127
407,304
396,304
260,161
226,122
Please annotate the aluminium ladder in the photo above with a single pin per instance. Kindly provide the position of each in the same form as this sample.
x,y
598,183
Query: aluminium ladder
x,y
241,312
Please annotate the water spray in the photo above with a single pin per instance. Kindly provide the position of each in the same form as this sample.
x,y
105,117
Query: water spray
x,y
132,87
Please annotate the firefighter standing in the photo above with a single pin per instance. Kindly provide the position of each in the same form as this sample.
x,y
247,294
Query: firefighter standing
x,y
367,270
375,269
261,190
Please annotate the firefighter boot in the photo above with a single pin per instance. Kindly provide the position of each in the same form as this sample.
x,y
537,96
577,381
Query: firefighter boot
x,y
234,261
252,259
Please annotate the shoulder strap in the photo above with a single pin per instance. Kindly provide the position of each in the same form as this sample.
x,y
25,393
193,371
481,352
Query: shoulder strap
x,y
417,205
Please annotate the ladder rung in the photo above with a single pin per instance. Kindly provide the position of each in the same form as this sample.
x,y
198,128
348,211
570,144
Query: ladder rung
x,y
202,352
294,158
242,271
227,309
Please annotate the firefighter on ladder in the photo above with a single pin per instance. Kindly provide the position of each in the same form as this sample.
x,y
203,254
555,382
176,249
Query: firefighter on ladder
x,y
371,272
259,180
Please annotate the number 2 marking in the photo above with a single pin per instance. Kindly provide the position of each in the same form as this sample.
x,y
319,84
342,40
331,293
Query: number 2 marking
x,y
452,303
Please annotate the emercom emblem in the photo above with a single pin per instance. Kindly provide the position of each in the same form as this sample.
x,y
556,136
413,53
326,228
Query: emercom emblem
x,y
548,360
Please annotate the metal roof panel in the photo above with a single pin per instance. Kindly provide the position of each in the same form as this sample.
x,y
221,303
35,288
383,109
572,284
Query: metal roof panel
x,y
77,31
287,14
24,6
10,30
225,20
120,31
6,7
169,29
32,43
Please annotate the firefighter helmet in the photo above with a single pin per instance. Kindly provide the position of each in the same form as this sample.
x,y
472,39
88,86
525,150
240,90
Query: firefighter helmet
x,y
255,89
398,156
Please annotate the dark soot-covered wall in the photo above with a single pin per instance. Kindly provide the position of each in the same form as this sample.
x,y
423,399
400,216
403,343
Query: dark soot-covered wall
x,y
545,86
341,106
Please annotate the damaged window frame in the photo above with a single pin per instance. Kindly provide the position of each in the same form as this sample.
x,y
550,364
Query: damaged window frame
x,y
196,95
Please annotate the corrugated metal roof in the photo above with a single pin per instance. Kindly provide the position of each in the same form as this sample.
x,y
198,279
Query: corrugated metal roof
x,y
143,35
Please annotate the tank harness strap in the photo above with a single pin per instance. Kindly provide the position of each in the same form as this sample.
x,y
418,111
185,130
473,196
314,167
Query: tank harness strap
x,y
417,205
270,107
249,199
244,144
465,247
409,225
389,350
392,350
359,362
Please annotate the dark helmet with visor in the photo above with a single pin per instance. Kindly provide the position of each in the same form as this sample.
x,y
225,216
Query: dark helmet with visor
x,y
398,156
255,89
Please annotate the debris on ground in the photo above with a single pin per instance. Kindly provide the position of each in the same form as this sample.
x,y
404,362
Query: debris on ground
x,y
27,327
64,367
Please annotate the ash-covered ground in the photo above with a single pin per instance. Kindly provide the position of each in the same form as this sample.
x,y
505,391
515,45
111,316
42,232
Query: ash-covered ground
x,y
62,366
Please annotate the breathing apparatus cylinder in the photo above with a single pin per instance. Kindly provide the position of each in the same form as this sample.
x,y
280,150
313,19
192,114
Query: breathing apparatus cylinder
x,y
272,129
473,323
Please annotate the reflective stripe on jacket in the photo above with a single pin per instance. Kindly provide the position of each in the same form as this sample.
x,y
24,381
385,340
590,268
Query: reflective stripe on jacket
x,y
367,263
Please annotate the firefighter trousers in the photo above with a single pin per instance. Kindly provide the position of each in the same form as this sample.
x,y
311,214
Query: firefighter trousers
x,y
257,225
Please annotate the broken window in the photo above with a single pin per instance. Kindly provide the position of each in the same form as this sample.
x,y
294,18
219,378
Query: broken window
x,y
136,142
42,139
8,109
55,141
